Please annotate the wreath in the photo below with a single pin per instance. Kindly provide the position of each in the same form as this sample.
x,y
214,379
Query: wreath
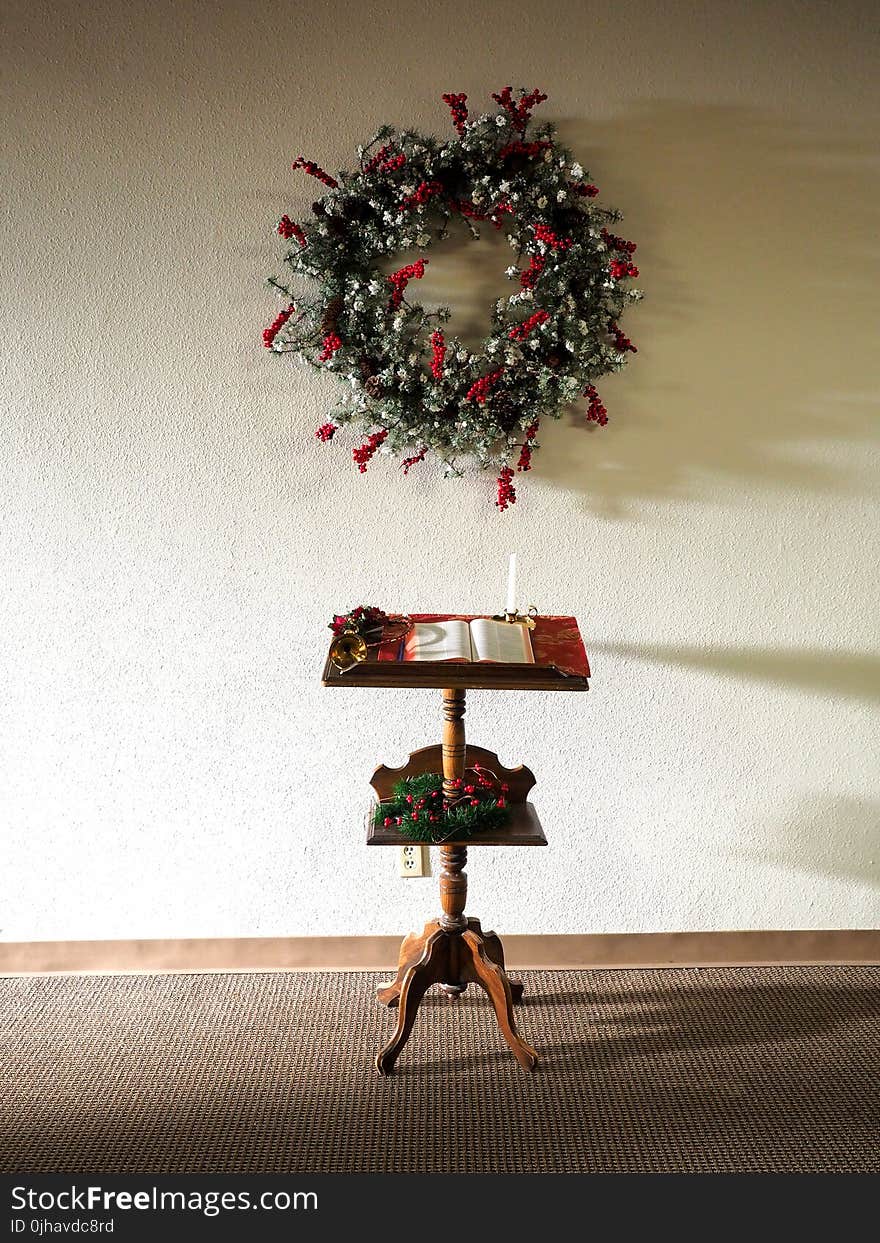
x,y
414,389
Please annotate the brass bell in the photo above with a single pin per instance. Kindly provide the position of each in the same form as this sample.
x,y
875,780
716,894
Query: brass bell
x,y
348,649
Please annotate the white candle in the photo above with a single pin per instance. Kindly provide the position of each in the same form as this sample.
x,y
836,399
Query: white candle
x,y
511,584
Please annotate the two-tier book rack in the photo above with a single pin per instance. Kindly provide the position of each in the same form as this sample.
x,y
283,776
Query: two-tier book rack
x,y
453,950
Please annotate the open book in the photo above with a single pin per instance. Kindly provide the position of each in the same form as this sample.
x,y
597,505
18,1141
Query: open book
x,y
474,641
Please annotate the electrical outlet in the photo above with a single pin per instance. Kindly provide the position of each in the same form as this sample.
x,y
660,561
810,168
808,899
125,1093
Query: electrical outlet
x,y
414,860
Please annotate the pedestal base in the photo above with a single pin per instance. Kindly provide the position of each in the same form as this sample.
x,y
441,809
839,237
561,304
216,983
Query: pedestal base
x,y
452,958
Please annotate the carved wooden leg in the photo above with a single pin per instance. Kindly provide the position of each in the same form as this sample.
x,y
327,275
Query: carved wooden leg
x,y
410,952
491,977
431,967
495,953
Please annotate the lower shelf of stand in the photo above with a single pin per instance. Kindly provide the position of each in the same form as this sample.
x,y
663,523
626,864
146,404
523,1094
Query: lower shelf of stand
x,y
522,829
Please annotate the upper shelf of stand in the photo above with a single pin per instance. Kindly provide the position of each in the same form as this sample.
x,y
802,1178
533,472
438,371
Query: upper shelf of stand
x,y
560,664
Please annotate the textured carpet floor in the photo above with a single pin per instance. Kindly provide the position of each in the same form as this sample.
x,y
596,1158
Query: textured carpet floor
x,y
769,1069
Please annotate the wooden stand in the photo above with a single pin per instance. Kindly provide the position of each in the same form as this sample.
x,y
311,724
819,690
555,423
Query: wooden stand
x,y
452,951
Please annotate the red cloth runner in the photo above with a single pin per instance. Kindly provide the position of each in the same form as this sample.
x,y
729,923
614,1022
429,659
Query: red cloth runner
x,y
556,641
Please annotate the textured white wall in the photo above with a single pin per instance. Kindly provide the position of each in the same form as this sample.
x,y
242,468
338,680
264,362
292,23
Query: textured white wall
x,y
173,539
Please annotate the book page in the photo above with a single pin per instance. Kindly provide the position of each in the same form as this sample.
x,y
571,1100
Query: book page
x,y
438,640
501,642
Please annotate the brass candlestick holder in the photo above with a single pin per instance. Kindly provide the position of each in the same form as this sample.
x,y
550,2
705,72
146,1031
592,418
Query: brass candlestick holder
x,y
529,620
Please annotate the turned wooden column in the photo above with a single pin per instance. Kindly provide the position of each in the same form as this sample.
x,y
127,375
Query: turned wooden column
x,y
453,882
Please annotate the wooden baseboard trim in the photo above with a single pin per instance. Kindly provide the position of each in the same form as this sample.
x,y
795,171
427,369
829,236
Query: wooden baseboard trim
x,y
589,950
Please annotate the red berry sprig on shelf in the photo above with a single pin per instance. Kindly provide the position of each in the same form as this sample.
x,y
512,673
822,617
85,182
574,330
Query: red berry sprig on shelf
x,y
364,452
326,432
331,343
438,354
621,340
525,453
521,331
314,170
506,490
458,108
479,391
270,333
289,228
596,412
400,279
410,462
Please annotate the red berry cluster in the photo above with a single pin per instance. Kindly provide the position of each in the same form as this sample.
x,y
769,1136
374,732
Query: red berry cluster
x,y
326,432
545,234
596,412
613,242
480,389
431,806
379,158
525,453
425,192
395,163
521,331
584,190
458,108
331,343
438,354
621,340
270,333
409,462
364,452
499,211
400,279
529,278
364,617
487,780
308,166
484,780
517,147
288,228
619,268
466,208
506,490
519,113
384,161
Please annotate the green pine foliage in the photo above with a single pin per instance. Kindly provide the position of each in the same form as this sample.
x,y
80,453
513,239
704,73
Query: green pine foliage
x,y
416,799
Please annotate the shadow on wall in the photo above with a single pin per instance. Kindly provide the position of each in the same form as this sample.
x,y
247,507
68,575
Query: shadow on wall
x,y
853,675
826,836
836,837
756,244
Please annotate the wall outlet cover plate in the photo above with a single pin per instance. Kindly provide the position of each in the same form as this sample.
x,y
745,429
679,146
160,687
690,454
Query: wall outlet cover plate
x,y
414,860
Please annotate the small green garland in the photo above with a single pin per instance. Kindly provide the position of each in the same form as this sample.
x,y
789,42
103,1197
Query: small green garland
x,y
402,377
419,811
